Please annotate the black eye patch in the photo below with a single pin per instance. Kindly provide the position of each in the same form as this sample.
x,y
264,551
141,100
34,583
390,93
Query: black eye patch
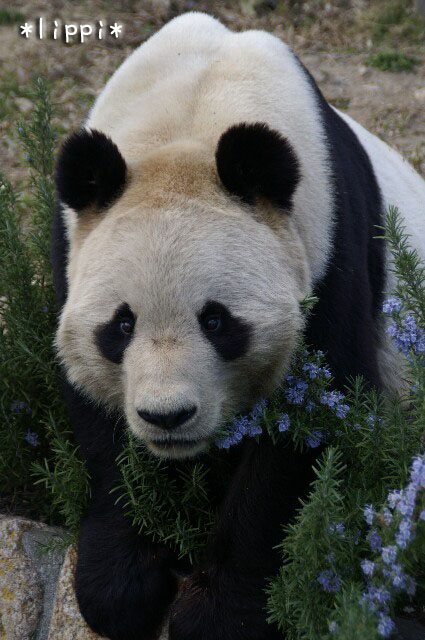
x,y
229,335
113,337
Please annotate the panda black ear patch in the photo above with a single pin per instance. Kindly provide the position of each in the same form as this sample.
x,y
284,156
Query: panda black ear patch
x,y
90,170
256,161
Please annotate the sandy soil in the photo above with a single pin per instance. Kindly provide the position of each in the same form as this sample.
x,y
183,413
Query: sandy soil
x,y
391,105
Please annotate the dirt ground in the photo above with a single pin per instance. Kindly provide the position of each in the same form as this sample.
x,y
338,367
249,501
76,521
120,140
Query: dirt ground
x,y
334,40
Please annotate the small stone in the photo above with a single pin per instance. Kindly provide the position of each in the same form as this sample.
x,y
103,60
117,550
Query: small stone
x,y
24,104
420,94
363,71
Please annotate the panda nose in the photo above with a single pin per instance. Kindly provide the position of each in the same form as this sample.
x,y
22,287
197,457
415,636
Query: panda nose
x,y
167,420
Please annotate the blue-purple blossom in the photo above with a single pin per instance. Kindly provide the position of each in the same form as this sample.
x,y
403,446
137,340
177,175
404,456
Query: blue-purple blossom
x,y
374,540
283,423
410,586
329,580
397,575
342,410
377,595
391,304
333,627
19,406
337,527
331,398
393,497
389,554
31,438
310,405
295,393
404,533
259,409
385,625
387,516
408,336
417,473
314,439
368,567
369,513
326,372
373,419
312,370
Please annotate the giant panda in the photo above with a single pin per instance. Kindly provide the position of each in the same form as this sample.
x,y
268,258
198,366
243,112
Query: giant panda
x,y
211,189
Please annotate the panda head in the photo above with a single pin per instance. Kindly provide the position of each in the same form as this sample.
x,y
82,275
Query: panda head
x,y
185,273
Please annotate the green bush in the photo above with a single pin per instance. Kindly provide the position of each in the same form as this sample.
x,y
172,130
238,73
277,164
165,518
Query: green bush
x,y
392,61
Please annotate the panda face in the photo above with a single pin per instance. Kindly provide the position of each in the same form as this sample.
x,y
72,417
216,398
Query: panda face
x,y
183,310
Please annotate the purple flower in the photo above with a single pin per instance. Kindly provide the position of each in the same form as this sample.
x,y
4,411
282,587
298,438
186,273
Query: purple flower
x,y
417,472
378,595
408,335
387,516
309,406
410,586
329,581
372,419
342,410
389,554
31,438
397,576
391,304
296,391
19,406
369,513
404,533
386,625
368,567
312,370
337,527
258,409
331,398
374,540
394,497
326,372
283,423
333,627
314,439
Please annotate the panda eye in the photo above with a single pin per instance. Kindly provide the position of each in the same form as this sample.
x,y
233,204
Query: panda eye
x,y
127,326
212,323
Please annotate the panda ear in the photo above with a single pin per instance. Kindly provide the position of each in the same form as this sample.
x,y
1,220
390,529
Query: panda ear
x,y
90,170
256,161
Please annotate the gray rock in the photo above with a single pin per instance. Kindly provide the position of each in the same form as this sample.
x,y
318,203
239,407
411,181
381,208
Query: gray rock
x,y
26,580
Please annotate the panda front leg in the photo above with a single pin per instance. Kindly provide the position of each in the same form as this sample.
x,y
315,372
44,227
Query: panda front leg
x,y
224,599
123,582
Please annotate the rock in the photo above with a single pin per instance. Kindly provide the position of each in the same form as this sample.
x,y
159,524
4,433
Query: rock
x,y
67,622
420,94
24,104
26,578
364,71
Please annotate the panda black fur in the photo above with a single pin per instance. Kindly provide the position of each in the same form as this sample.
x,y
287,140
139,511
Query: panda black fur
x,y
211,181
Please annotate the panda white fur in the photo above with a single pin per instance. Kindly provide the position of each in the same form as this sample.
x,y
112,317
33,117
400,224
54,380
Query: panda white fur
x,y
211,189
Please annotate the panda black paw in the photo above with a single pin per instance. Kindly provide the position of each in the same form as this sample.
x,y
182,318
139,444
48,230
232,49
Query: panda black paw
x,y
215,605
125,600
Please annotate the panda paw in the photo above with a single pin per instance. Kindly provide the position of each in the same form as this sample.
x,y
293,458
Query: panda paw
x,y
214,605
127,602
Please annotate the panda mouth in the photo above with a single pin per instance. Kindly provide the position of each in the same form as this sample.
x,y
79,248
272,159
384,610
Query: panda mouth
x,y
176,447
175,442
